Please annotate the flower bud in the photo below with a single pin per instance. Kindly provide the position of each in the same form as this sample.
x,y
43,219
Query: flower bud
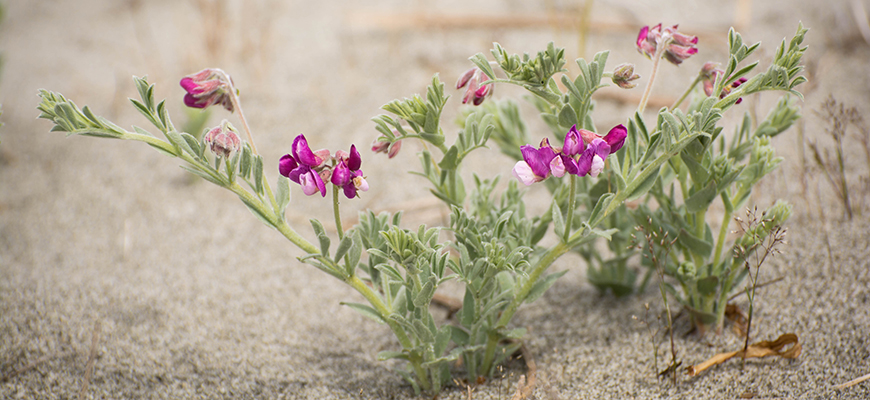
x,y
208,87
623,75
223,140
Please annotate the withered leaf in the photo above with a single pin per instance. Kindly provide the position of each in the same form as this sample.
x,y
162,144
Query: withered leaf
x,y
758,350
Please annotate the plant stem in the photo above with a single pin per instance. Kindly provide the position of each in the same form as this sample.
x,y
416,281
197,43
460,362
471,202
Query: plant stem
x,y
686,93
336,213
375,300
572,199
234,97
660,49
720,241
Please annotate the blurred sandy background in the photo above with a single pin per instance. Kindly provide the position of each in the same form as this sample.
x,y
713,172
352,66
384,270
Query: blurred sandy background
x,y
197,300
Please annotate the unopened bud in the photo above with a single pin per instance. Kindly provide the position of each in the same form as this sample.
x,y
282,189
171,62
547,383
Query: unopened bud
x,y
623,76
223,140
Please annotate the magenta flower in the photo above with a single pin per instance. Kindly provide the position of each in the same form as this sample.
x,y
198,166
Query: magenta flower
x,y
535,166
615,138
678,46
710,74
591,148
304,167
476,92
223,140
347,174
208,87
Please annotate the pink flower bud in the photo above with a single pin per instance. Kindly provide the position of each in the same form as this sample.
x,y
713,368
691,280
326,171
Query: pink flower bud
x,y
208,87
223,140
623,75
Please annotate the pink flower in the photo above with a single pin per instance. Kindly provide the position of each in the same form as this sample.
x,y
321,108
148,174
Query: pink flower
x,y
208,87
475,92
303,166
313,169
535,166
678,46
347,174
592,149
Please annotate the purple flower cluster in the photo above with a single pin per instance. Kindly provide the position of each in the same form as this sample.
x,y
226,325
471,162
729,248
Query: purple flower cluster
x,y
311,169
583,153
208,87
679,46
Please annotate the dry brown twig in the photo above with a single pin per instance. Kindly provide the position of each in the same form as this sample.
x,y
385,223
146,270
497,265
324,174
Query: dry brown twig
x,y
92,359
757,350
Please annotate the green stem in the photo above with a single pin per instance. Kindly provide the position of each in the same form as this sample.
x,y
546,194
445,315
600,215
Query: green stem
x,y
336,213
572,199
686,93
720,241
660,50
375,300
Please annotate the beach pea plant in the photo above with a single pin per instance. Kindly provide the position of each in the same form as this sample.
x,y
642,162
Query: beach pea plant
x,y
496,248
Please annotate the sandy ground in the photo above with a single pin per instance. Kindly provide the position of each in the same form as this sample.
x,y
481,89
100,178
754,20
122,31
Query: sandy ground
x,y
195,299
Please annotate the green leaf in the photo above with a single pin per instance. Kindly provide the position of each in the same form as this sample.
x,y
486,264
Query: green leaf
x,y
343,246
567,116
321,236
699,174
468,308
542,285
558,220
701,199
707,286
695,244
258,175
516,333
366,311
603,202
644,186
388,355
450,158
282,195
425,295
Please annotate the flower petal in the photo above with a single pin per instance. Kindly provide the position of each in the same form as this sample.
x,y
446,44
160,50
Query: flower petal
x,y
573,142
354,161
616,137
523,172
341,175
286,165
302,153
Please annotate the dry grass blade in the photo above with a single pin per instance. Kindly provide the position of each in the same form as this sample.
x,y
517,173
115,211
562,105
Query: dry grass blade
x,y
92,358
525,387
758,350
853,382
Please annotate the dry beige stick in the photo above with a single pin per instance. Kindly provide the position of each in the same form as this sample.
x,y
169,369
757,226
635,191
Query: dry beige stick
x,y
92,358
853,382
525,387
